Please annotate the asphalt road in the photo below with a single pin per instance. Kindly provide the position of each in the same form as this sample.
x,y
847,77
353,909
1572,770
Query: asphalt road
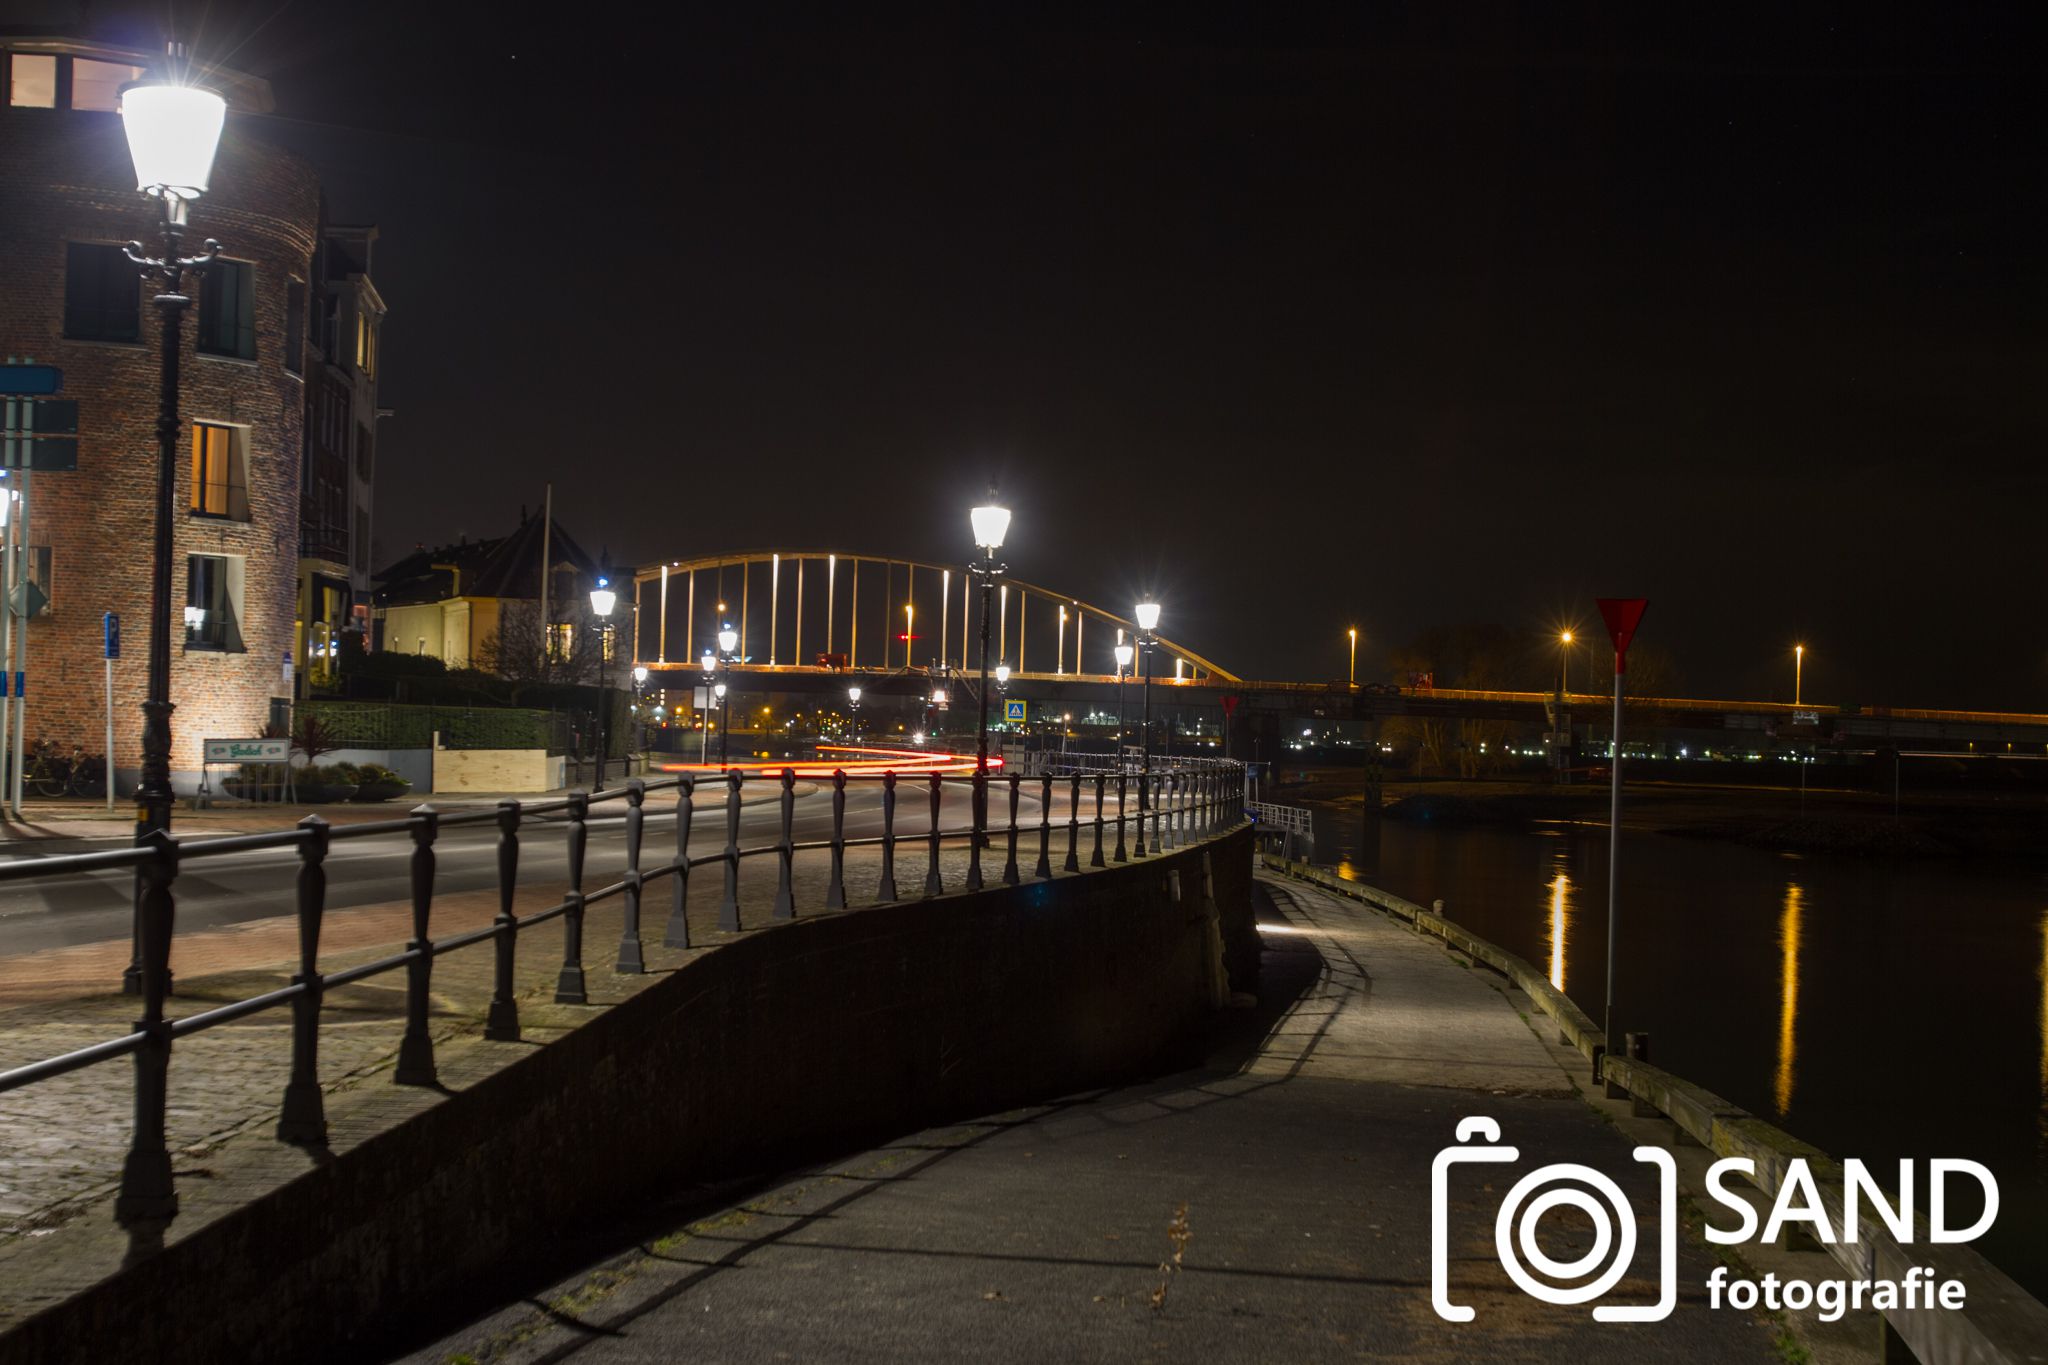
x,y
41,913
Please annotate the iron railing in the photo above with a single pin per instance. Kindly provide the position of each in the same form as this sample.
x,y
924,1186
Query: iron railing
x,y
1290,830
1181,801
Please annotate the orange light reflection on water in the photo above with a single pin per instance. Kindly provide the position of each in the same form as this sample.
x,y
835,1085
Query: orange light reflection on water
x,y
1788,997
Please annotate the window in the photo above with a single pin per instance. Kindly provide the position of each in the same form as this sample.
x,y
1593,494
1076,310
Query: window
x,y
97,85
39,575
220,483
366,345
212,597
32,81
561,641
102,294
227,310
295,327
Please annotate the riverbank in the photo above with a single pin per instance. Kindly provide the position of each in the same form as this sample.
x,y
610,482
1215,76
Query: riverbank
x,y
1944,824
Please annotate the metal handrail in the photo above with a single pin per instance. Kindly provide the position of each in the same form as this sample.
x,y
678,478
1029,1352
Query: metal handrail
x,y
1180,799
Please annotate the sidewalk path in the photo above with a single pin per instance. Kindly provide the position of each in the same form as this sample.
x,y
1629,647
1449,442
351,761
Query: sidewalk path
x,y
1300,1151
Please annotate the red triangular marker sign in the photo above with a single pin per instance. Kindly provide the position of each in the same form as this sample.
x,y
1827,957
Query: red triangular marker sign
x,y
1623,615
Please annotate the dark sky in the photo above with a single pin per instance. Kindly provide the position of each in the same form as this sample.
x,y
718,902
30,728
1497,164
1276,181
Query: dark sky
x,y
1401,315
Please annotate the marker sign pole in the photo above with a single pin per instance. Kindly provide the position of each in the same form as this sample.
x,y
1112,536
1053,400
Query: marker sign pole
x,y
110,629
1623,615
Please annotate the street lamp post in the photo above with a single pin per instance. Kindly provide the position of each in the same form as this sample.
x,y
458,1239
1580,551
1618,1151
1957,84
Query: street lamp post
x,y
173,131
990,523
1148,621
640,710
709,663
602,600
1562,748
853,704
1123,663
728,641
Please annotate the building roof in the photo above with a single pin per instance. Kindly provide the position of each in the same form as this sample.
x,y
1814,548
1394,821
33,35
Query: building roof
x,y
506,566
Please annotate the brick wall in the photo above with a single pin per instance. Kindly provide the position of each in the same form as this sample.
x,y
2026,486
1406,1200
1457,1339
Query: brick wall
x,y
65,176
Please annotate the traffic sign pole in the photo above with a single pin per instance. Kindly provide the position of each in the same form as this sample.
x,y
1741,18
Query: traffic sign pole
x,y
110,631
1623,615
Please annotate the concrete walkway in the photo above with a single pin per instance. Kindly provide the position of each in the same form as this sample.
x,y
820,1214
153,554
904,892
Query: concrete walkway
x,y
1291,1170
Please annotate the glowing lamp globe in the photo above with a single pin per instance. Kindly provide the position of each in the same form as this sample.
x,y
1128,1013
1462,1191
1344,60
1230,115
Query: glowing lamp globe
x,y
173,132
728,639
1123,656
1148,616
1002,673
602,598
990,525
853,695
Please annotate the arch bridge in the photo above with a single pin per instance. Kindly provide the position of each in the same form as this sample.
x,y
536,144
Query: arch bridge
x,y
805,611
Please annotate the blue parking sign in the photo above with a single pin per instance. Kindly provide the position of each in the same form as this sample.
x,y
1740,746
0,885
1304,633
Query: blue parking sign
x,y
110,626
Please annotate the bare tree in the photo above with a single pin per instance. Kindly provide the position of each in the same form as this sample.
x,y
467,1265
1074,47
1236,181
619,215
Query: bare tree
x,y
524,655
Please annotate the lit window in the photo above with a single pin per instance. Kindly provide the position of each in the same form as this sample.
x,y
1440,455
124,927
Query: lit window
x,y
212,603
220,487
366,345
97,85
561,641
102,294
32,81
227,310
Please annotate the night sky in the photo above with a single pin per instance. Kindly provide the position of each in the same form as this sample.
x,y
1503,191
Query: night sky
x,y
1395,315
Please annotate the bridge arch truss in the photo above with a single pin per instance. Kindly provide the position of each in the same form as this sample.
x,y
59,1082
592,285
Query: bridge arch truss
x,y
795,609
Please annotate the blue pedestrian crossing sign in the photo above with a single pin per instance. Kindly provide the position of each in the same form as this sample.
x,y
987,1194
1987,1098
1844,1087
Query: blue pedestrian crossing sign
x,y
1013,710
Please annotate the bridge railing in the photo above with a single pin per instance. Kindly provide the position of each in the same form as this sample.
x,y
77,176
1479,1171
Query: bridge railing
x,y
1289,830
1175,806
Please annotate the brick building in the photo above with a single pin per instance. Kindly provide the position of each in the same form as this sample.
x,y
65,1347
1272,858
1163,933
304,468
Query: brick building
x,y
68,298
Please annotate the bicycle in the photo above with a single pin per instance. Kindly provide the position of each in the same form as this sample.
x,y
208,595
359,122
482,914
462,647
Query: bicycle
x,y
47,774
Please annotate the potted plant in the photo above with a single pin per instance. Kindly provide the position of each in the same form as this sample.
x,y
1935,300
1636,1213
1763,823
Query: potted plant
x,y
375,782
320,783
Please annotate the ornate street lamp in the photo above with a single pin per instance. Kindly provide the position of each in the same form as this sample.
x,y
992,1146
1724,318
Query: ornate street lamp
x,y
728,642
990,523
602,600
1148,621
853,702
173,132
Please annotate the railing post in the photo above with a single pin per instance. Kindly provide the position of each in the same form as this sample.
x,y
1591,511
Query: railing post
x,y
569,986
1176,810
1010,877
932,884
785,858
304,1117
678,932
502,1023
631,958
147,1194
979,821
416,1049
886,891
1147,797
1073,862
1101,780
729,904
835,890
1044,868
1120,856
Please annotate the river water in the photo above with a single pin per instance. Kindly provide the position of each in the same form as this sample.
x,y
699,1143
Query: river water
x,y
1876,1010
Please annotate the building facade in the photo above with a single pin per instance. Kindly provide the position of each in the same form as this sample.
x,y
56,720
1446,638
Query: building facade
x,y
448,602
69,298
338,475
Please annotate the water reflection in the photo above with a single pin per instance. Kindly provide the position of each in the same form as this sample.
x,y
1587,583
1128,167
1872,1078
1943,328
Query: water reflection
x,y
1788,997
1560,919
